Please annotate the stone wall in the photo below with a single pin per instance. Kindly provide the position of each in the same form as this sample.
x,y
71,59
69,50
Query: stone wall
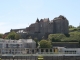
x,y
36,58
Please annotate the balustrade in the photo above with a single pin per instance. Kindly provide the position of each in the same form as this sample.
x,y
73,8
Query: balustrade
x,y
31,51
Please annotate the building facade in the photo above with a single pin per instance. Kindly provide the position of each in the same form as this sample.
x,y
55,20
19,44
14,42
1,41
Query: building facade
x,y
18,45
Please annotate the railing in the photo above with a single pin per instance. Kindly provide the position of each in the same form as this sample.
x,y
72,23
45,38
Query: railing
x,y
31,51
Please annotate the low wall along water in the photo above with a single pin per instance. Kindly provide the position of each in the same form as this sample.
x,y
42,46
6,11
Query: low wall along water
x,y
36,58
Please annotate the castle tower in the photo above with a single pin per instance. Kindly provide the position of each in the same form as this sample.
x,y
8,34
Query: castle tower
x,y
60,25
37,26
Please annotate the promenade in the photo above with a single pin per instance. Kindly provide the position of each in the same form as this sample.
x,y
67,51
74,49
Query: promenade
x,y
45,56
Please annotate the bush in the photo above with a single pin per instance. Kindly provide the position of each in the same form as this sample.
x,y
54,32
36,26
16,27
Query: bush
x,y
45,44
71,37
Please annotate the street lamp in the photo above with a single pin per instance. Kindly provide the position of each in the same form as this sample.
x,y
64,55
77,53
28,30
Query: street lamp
x,y
13,57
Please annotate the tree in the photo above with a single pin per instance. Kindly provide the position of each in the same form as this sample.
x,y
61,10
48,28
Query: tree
x,y
71,37
70,26
17,36
55,37
36,40
45,44
13,35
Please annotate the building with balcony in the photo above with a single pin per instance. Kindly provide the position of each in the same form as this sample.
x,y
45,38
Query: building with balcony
x,y
8,46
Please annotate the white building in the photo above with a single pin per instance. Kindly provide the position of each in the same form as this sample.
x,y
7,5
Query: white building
x,y
63,50
9,46
28,46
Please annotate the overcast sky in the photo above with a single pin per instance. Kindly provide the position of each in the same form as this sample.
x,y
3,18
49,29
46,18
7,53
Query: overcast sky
x,y
15,14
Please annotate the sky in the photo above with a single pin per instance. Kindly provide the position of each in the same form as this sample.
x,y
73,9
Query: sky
x,y
16,14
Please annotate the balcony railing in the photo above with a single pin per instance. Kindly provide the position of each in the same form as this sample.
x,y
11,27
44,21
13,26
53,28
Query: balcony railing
x,y
32,51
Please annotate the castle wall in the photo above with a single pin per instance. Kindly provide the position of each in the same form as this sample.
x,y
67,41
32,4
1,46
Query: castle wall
x,y
44,23
37,27
42,27
61,26
50,28
31,29
57,26
66,26
45,27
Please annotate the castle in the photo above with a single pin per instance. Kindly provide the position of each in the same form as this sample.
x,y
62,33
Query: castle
x,y
43,27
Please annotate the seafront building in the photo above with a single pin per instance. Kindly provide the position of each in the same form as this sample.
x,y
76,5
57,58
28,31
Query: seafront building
x,y
26,49
11,46
28,46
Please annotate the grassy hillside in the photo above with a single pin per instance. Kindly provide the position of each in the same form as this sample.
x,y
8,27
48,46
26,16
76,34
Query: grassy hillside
x,y
73,36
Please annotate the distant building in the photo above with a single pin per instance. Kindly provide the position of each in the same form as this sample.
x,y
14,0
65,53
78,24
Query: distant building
x,y
43,27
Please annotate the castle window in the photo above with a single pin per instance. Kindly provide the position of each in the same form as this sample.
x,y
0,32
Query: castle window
x,y
41,25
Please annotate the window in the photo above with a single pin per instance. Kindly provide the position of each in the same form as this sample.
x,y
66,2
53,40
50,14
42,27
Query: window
x,y
0,45
41,25
41,50
6,45
46,50
50,50
17,45
70,52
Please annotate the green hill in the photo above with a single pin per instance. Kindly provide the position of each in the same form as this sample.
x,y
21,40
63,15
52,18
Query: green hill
x,y
73,36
